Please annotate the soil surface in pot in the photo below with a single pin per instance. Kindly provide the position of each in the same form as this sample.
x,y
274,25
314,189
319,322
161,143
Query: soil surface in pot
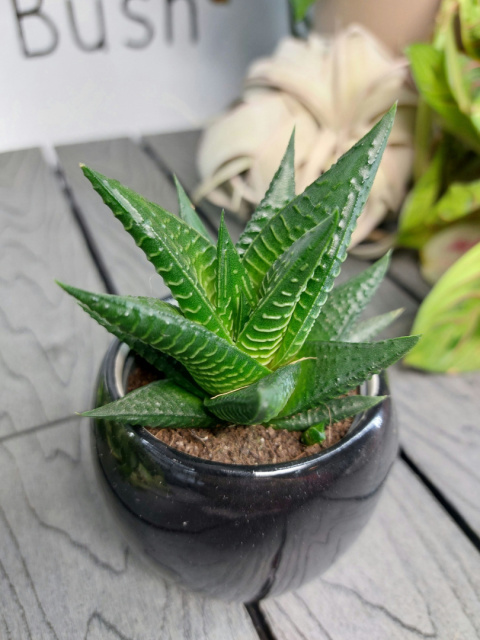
x,y
239,445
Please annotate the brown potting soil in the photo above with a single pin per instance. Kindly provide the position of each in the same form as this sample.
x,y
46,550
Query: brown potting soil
x,y
236,445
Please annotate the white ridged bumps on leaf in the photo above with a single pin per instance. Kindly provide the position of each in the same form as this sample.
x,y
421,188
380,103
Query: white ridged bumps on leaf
x,y
281,290
341,366
235,296
155,323
183,257
278,195
346,302
330,412
158,404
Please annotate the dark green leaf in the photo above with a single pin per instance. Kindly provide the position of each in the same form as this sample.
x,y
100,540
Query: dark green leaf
x,y
181,255
368,329
234,288
279,194
159,404
341,366
187,211
330,193
346,302
259,402
281,290
215,364
330,412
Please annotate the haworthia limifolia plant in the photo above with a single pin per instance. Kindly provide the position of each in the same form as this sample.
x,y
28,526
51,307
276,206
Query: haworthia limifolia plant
x,y
259,335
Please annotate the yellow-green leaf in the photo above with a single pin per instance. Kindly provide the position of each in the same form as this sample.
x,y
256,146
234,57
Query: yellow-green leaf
x,y
449,320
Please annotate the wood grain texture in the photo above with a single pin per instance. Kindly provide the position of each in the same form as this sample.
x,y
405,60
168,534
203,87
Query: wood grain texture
x,y
411,575
177,153
64,571
123,160
49,350
440,432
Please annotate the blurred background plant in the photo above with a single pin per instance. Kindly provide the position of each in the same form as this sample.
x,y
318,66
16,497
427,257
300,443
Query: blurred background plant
x,y
441,216
332,89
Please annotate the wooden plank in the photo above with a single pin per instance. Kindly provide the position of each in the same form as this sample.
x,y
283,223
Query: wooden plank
x,y
64,570
411,574
177,152
49,353
439,426
125,161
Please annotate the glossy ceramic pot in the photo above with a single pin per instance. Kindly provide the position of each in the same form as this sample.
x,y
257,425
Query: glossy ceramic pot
x,y
239,532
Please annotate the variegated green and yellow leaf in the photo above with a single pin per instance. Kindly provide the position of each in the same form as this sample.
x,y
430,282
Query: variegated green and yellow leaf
x,y
280,192
159,404
235,296
341,366
281,290
215,364
181,255
330,412
260,401
187,211
346,302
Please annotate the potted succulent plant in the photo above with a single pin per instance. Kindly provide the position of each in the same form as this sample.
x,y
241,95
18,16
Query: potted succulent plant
x,y
259,336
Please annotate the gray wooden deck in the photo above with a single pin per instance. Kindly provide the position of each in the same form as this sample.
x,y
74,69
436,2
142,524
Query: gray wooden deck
x,y
64,571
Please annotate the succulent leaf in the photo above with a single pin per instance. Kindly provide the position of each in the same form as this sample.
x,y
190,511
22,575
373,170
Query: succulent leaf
x,y
341,366
280,192
235,294
368,329
181,255
187,211
259,402
346,302
281,290
158,404
330,412
215,364
331,192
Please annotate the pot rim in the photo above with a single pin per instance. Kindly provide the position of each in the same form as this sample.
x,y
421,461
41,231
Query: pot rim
x,y
119,352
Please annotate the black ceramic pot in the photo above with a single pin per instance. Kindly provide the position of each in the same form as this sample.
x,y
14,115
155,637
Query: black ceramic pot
x,y
239,532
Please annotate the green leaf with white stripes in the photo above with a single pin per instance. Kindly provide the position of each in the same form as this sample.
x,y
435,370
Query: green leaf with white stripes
x,y
343,188
346,302
280,192
259,402
235,295
330,193
159,404
181,255
330,412
368,329
215,364
341,366
281,290
187,211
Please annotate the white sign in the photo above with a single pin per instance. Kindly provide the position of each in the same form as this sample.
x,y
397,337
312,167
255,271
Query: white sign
x,y
73,70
